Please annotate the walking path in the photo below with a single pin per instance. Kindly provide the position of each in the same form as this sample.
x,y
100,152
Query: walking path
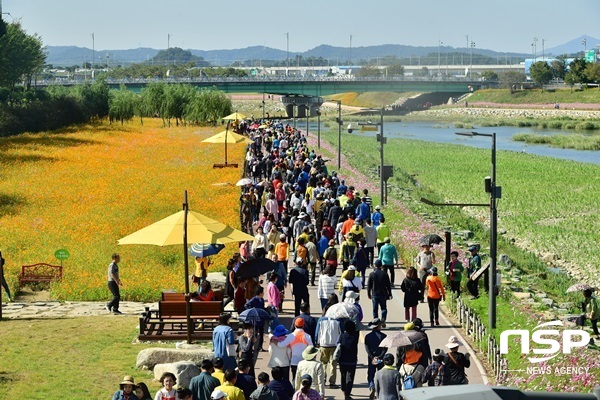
x,y
438,336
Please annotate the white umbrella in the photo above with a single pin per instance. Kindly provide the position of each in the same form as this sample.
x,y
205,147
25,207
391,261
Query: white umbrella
x,y
244,182
342,310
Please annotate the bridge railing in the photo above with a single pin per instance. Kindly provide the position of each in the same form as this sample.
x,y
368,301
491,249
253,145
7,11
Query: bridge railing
x,y
254,79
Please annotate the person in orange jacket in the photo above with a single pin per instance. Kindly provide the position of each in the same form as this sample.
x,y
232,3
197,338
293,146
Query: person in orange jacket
x,y
435,293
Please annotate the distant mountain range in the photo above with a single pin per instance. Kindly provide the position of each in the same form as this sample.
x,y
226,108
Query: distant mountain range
x,y
72,55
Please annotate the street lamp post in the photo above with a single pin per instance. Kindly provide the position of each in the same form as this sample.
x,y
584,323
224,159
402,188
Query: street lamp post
x,y
584,43
339,121
440,43
535,39
495,193
318,127
307,110
471,68
382,141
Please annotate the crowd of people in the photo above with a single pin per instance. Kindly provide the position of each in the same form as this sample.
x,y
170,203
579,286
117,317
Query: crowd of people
x,y
301,213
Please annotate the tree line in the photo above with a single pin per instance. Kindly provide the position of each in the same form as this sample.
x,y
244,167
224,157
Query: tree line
x,y
24,108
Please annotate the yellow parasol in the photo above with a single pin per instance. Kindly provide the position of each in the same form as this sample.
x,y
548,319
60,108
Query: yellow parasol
x,y
236,116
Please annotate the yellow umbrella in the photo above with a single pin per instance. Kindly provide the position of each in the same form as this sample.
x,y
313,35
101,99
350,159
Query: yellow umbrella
x,y
232,137
227,137
200,229
235,116
182,227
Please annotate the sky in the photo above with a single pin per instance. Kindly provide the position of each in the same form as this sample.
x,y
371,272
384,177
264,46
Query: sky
x,y
504,26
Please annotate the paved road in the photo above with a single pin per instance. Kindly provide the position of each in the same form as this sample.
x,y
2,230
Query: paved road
x,y
438,336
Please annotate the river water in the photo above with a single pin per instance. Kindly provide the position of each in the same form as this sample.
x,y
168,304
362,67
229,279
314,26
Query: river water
x,y
444,133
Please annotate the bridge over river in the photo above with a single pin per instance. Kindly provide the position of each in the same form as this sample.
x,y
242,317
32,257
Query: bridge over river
x,y
305,86
303,93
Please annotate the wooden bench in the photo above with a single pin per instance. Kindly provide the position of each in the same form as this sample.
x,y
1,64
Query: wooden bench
x,y
40,273
169,322
171,296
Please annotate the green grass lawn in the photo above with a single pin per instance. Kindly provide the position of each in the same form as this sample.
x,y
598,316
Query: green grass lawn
x,y
80,358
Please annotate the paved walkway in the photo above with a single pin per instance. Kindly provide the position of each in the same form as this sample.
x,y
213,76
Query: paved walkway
x,y
438,336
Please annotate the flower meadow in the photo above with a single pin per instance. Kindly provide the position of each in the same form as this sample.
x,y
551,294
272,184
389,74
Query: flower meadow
x,y
84,188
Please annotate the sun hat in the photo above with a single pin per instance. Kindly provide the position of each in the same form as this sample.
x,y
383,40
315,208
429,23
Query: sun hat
x,y
218,394
387,239
351,268
309,353
128,380
306,377
280,331
302,215
453,342
299,260
378,207
375,323
299,323
409,326
351,294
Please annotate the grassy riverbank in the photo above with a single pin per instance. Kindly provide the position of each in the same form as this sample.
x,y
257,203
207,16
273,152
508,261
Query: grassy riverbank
x,y
541,208
571,141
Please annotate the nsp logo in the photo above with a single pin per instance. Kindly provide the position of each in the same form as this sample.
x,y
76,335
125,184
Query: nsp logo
x,y
570,339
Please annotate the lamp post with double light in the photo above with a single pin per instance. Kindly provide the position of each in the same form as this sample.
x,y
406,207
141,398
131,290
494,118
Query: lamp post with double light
x,y
495,193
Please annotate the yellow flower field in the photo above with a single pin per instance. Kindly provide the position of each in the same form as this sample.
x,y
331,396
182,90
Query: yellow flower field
x,y
84,188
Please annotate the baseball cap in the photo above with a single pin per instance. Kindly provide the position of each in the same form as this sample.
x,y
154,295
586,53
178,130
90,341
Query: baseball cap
x,y
218,394
299,322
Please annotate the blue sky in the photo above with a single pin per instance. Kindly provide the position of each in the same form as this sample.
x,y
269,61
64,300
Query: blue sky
x,y
507,25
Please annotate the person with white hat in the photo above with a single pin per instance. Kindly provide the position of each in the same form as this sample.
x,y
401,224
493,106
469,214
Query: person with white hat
x,y
456,363
218,394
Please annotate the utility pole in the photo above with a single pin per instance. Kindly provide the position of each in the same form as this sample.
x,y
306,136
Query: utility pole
x,y
350,61
93,50
168,47
287,53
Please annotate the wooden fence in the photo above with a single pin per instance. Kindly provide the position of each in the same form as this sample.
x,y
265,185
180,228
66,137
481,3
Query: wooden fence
x,y
474,327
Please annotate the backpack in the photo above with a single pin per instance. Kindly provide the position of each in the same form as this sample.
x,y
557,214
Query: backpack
x,y
408,382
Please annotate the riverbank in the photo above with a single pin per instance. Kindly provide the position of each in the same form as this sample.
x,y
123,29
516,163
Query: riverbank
x,y
507,111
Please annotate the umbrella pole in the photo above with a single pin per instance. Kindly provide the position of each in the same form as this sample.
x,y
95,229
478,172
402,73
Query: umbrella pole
x,y
226,137
185,263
